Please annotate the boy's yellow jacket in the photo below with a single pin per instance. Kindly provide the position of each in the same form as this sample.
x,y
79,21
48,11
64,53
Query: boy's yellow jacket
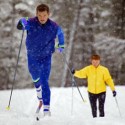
x,y
97,78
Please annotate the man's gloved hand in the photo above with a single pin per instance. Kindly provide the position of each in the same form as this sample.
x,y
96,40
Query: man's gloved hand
x,y
114,93
60,48
22,24
73,71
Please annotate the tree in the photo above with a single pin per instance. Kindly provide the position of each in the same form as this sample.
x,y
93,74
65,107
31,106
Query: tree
x,y
82,46
9,41
118,18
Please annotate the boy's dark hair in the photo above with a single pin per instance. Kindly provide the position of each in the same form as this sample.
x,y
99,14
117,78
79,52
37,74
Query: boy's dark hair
x,y
42,7
95,57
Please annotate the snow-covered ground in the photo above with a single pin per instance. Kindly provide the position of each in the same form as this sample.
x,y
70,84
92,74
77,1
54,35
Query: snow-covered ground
x,y
65,108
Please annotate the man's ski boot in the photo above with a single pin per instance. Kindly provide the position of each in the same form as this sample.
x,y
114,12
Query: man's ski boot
x,y
46,111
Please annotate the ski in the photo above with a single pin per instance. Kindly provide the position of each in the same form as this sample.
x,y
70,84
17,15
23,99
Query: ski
x,y
38,110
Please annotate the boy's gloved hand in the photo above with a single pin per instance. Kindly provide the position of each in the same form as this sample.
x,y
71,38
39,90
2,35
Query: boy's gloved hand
x,y
60,48
73,71
114,93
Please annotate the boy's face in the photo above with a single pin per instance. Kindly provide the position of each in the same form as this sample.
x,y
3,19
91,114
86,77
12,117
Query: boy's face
x,y
42,16
95,63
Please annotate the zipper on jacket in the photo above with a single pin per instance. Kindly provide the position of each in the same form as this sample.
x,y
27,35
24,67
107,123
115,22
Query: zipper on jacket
x,y
95,78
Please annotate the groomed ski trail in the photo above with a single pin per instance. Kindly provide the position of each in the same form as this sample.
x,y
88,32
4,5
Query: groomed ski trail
x,y
24,104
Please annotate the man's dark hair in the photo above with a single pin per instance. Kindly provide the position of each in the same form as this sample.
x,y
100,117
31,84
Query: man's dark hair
x,y
42,7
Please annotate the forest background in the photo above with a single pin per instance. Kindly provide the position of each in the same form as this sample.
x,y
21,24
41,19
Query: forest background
x,y
90,26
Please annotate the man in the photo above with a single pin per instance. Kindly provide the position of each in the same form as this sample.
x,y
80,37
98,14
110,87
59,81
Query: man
x,y
98,76
40,44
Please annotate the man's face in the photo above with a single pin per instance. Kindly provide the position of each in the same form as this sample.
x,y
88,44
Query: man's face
x,y
95,63
42,16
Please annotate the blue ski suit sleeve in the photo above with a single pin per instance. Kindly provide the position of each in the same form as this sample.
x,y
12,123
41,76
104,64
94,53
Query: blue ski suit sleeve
x,y
60,34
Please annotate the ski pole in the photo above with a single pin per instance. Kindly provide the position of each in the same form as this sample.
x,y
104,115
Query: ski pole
x,y
118,107
72,98
8,107
73,80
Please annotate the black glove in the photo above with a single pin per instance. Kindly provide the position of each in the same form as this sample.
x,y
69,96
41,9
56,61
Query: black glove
x,y
19,26
22,24
114,93
73,71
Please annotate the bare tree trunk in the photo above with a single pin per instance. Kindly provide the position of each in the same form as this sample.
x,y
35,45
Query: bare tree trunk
x,y
12,30
69,51
123,20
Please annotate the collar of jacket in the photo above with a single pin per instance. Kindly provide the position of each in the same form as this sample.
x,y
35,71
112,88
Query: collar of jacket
x,y
95,67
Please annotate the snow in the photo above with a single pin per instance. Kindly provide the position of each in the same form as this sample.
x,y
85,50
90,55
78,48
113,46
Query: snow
x,y
67,108
105,13
5,10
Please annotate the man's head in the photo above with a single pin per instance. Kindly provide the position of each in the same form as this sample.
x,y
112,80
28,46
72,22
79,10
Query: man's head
x,y
95,59
42,12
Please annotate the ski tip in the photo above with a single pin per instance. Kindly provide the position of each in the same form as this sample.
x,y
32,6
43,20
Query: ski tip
x,y
8,108
37,118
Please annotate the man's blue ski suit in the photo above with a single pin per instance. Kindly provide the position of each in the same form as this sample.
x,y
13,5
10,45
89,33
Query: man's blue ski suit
x,y
40,44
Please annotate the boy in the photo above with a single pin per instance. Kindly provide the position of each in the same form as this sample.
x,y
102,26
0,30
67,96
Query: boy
x,y
97,76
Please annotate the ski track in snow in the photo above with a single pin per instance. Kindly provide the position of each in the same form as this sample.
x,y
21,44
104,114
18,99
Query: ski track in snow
x,y
65,108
